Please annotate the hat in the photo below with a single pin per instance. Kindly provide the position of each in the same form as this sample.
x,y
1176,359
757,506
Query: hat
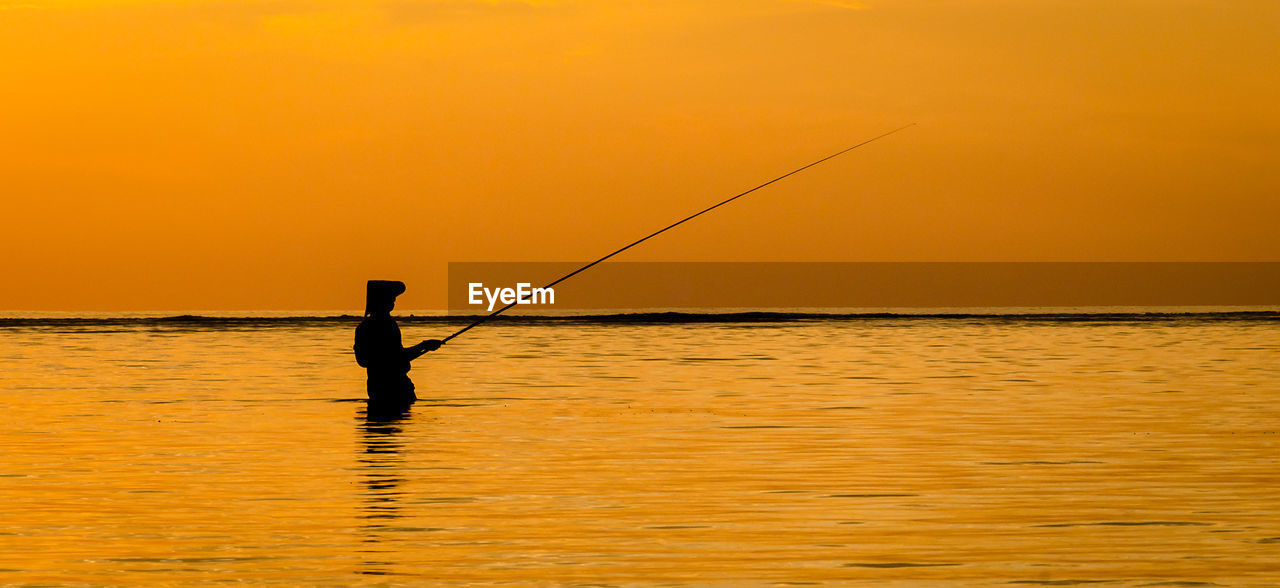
x,y
379,292
391,288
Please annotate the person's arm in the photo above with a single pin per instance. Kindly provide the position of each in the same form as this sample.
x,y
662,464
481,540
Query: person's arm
x,y
418,350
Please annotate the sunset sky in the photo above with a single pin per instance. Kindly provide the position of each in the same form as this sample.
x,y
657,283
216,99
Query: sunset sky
x,y
275,154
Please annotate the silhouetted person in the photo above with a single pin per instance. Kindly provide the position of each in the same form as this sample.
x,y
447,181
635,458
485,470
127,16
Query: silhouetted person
x,y
379,350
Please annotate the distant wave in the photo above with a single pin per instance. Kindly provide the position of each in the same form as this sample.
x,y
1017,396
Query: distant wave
x,y
198,321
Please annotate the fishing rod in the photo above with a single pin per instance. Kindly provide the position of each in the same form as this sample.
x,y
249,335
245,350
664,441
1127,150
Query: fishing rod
x,y
482,319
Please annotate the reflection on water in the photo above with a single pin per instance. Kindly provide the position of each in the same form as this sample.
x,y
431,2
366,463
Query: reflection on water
x,y
977,451
382,473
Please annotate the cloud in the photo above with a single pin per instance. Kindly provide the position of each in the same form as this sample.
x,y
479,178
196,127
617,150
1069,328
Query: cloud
x,y
846,4
413,11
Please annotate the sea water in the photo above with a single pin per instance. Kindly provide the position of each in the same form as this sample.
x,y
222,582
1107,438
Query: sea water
x,y
886,450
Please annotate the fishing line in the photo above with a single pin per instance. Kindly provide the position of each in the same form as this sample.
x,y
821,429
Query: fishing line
x,y
672,226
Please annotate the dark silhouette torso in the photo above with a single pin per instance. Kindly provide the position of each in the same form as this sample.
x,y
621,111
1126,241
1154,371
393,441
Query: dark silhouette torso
x,y
378,348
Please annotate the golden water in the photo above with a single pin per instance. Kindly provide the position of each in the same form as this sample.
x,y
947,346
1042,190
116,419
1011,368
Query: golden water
x,y
976,452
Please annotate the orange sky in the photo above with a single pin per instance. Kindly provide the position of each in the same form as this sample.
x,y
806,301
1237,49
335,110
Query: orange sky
x,y
274,154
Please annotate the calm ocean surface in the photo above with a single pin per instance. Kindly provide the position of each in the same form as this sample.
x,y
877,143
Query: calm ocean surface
x,y
1003,450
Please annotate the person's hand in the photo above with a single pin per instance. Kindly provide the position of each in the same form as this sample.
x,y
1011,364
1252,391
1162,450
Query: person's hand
x,y
431,344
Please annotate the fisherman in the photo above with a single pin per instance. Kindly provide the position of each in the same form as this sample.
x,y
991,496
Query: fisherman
x,y
378,347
